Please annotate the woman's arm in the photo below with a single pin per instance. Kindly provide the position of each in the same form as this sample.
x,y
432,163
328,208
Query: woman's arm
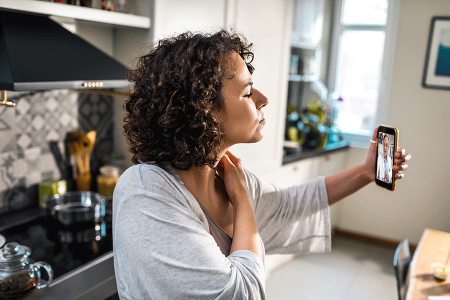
x,y
245,231
347,182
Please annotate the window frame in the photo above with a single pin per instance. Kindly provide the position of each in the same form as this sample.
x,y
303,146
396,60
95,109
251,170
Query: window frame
x,y
390,29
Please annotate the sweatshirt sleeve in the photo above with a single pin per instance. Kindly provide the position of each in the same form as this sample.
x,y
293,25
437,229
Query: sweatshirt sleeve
x,y
163,251
294,219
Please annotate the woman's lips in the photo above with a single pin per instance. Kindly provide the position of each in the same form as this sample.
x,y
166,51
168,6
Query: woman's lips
x,y
263,121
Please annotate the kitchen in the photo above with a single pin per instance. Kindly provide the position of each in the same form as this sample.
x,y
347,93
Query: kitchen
x,y
25,159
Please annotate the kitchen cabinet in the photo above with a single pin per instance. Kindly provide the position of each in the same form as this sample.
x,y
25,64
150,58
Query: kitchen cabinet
x,y
309,49
80,13
309,45
309,34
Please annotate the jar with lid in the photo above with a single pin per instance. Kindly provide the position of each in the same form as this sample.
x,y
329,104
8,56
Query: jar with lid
x,y
18,276
107,180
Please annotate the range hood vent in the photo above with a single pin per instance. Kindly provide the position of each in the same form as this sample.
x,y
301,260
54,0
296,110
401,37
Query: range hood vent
x,y
36,53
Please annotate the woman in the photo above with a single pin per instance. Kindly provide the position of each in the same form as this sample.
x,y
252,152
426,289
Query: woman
x,y
189,221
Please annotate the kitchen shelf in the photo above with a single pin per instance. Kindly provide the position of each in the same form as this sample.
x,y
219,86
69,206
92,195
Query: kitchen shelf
x,y
302,78
109,18
305,46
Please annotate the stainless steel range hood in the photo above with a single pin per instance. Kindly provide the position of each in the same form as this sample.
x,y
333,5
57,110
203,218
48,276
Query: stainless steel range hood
x,y
36,53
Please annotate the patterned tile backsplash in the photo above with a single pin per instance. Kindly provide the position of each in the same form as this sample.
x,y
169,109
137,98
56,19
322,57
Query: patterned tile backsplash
x,y
27,129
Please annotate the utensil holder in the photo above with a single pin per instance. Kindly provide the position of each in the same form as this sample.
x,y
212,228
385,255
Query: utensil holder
x,y
84,182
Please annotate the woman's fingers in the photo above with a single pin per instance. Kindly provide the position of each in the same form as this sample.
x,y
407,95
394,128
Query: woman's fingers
x,y
236,161
374,137
399,175
401,156
219,171
226,161
399,168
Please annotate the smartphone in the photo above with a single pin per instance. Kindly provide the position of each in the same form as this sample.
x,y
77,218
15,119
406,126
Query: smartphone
x,y
386,147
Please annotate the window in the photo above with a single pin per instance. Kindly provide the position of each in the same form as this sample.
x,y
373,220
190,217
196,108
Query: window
x,y
361,64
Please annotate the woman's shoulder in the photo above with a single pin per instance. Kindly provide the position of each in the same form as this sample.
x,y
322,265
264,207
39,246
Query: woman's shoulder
x,y
147,177
144,175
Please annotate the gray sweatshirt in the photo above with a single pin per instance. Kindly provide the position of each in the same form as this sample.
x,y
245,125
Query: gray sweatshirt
x,y
163,248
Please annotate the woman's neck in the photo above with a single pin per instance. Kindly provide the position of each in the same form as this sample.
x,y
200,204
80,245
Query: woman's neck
x,y
198,177
203,184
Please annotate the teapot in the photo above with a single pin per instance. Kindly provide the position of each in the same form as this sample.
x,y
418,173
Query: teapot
x,y
18,276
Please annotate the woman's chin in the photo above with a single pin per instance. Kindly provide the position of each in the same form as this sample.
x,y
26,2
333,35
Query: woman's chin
x,y
256,138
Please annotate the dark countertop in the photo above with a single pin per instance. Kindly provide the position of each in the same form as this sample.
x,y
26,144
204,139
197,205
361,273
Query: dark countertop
x,y
91,274
304,154
20,217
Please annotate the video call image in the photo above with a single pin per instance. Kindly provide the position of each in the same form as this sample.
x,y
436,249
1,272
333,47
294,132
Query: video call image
x,y
385,157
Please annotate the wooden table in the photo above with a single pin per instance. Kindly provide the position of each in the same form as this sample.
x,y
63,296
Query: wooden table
x,y
434,246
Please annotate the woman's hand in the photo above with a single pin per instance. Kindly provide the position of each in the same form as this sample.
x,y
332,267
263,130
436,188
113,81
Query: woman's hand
x,y
231,171
400,159
245,229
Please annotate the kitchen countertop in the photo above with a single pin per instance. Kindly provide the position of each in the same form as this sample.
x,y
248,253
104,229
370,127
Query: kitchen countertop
x,y
304,154
94,279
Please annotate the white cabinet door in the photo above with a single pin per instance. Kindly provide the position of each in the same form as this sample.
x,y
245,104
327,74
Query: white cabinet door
x,y
177,16
266,23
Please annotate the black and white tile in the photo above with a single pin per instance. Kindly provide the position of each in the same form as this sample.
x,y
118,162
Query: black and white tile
x,y
45,116
37,119
7,129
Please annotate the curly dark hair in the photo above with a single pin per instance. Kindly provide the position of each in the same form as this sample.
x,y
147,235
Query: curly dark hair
x,y
171,110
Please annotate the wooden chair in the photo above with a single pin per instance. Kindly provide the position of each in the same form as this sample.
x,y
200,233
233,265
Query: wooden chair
x,y
402,260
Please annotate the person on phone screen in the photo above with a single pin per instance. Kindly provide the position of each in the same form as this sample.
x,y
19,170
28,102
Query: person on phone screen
x,y
189,221
385,161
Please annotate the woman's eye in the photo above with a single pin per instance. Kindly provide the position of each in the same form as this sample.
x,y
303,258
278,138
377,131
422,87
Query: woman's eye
x,y
248,95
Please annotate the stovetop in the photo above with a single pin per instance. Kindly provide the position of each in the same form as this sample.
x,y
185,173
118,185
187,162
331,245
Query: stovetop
x,y
65,248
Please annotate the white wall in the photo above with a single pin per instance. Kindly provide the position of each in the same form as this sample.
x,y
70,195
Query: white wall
x,y
422,198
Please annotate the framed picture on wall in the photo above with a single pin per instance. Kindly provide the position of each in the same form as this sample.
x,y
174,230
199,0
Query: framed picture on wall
x,y
436,73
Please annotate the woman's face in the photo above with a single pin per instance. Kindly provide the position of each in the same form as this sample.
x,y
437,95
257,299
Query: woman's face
x,y
242,118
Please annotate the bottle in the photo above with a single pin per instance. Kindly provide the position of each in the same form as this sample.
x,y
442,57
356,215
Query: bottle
x,y
107,180
293,69
336,103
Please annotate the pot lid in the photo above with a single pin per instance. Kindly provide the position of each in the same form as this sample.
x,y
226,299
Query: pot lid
x,y
13,252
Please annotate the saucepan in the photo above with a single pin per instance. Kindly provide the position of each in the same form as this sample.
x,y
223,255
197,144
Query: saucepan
x,y
77,207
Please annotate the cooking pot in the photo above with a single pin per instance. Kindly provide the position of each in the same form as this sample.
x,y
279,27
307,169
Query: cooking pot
x,y
77,207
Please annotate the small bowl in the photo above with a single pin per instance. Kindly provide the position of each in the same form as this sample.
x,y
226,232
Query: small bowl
x,y
440,270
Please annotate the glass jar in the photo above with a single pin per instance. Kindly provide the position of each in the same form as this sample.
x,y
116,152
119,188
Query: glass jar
x,y
107,180
19,277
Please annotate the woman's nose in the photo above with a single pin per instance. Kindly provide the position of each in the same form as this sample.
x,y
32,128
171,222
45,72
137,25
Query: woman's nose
x,y
259,98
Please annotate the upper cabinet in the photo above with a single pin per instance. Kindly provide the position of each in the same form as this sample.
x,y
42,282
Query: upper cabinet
x,y
307,24
310,36
63,12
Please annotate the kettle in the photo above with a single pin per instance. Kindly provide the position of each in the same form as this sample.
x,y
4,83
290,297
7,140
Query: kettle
x,y
18,276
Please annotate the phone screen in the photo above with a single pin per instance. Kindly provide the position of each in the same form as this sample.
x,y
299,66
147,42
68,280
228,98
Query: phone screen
x,y
386,147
